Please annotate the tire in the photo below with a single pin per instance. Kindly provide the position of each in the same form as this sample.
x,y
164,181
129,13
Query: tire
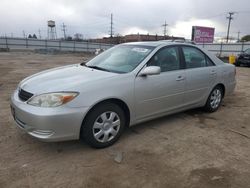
x,y
103,125
237,64
214,99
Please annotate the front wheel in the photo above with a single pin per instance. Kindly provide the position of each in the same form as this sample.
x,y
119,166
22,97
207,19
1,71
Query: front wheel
x,y
214,99
103,125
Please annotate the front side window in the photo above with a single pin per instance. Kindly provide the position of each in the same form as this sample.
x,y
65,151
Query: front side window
x,y
209,62
120,59
167,59
194,58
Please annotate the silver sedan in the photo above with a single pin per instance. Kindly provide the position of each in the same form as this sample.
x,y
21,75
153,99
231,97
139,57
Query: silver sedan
x,y
123,86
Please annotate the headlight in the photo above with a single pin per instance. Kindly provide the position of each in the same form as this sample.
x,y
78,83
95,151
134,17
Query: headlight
x,y
52,99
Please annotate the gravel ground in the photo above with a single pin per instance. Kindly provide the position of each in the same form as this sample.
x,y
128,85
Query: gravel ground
x,y
189,149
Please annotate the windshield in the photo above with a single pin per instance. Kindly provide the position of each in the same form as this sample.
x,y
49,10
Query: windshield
x,y
247,51
120,59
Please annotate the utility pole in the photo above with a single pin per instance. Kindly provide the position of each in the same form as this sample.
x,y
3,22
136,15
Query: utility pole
x,y
165,29
39,33
24,35
111,26
64,30
229,17
238,36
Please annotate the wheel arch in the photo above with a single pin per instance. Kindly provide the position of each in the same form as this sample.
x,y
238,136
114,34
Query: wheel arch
x,y
222,86
116,101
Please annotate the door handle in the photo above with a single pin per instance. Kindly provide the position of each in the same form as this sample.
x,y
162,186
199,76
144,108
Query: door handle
x,y
213,72
180,78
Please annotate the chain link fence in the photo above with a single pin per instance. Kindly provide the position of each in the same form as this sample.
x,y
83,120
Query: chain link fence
x,y
219,49
225,49
35,44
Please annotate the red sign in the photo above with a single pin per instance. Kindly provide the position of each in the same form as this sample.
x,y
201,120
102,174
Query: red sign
x,y
202,34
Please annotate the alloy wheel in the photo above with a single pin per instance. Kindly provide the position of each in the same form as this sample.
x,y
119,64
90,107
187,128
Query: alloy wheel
x,y
215,98
106,126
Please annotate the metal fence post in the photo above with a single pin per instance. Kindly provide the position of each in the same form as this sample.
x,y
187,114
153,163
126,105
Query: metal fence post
x,y
242,46
74,46
26,43
6,42
220,49
60,46
87,46
46,45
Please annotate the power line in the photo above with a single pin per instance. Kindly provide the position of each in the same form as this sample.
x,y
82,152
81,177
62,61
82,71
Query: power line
x,y
230,17
213,16
244,11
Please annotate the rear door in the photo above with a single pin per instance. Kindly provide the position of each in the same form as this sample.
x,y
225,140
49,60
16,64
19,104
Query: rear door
x,y
158,94
200,75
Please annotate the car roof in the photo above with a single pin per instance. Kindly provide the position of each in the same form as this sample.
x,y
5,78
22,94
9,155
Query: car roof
x,y
157,43
163,43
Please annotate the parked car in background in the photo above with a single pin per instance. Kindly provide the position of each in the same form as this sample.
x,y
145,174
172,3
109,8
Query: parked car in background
x,y
123,86
244,58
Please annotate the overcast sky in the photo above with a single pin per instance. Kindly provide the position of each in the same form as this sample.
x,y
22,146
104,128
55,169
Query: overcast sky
x,y
92,17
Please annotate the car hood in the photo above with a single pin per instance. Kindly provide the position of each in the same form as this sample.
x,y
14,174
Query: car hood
x,y
67,78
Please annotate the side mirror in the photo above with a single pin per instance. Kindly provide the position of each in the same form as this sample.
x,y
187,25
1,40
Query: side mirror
x,y
151,70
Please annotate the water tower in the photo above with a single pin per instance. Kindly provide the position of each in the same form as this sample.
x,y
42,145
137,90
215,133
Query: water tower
x,y
51,30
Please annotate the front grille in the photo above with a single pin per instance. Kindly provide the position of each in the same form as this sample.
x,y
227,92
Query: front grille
x,y
24,95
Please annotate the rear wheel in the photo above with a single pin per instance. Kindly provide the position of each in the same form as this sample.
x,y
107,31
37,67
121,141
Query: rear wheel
x,y
103,125
214,99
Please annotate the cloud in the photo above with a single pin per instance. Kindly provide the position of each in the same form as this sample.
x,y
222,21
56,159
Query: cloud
x,y
135,30
184,28
92,17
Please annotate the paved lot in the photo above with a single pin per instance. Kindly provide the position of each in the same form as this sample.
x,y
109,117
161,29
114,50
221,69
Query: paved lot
x,y
189,149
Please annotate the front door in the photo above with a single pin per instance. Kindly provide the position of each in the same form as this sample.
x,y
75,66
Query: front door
x,y
158,94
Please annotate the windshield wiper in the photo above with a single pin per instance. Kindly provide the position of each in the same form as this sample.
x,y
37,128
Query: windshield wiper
x,y
98,68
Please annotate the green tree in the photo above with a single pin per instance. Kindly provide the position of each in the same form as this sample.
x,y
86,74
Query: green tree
x,y
34,36
245,38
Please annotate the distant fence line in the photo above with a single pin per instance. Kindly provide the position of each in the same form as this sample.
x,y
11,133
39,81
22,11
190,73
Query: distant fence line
x,y
219,49
225,49
33,44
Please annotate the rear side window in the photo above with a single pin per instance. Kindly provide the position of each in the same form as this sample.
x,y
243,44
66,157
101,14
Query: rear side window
x,y
194,58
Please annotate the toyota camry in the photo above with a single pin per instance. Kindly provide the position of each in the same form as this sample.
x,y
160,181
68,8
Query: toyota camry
x,y
128,84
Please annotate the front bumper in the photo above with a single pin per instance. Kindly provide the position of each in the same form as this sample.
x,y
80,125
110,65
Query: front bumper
x,y
244,61
48,124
